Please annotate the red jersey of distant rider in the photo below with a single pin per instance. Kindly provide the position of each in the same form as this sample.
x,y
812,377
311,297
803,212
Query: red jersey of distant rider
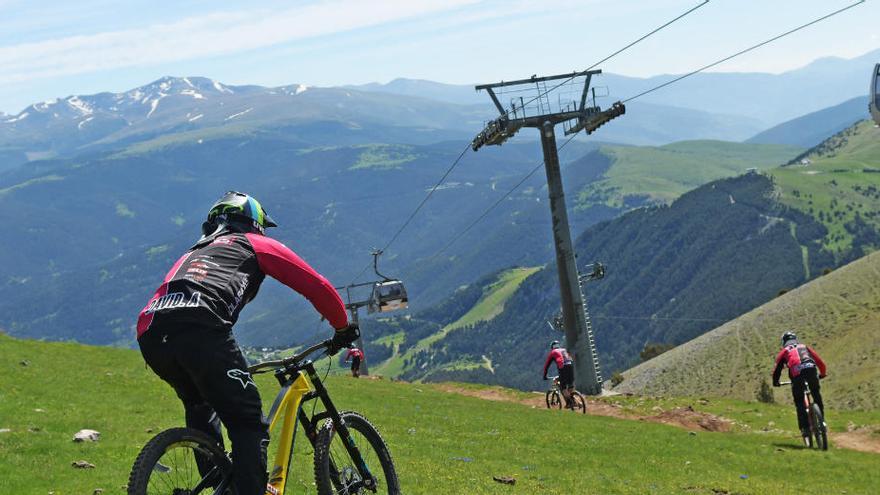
x,y
796,358
560,355
354,353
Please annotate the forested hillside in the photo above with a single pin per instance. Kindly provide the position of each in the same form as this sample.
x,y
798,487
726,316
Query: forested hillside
x,y
837,182
674,272
677,271
114,221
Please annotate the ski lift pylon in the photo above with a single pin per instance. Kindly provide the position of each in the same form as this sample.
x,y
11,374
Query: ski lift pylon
x,y
874,95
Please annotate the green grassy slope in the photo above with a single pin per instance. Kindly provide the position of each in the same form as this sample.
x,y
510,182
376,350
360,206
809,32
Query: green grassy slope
x,y
838,314
442,443
661,174
838,184
487,307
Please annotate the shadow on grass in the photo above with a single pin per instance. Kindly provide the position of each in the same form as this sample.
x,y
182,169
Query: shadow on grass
x,y
791,446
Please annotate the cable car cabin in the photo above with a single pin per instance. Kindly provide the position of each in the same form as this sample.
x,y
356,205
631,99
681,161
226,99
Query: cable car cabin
x,y
389,295
874,95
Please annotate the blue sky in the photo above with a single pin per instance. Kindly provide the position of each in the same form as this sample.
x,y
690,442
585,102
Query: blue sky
x,y
56,48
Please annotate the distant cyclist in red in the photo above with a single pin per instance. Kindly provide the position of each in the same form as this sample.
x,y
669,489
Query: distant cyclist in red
x,y
564,364
801,361
355,355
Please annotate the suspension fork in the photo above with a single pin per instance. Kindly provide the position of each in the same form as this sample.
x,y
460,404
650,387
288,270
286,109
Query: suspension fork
x,y
340,427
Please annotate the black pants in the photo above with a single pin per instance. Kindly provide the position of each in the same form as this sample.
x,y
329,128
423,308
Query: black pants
x,y
356,367
808,377
209,374
566,376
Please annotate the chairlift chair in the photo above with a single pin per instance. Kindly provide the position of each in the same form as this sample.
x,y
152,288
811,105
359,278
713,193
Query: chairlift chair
x,y
388,295
874,95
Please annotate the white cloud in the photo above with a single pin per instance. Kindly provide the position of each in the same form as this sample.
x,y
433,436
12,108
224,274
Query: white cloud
x,y
204,36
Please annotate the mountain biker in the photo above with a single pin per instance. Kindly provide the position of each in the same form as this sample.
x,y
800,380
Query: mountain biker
x,y
801,361
355,355
185,330
564,364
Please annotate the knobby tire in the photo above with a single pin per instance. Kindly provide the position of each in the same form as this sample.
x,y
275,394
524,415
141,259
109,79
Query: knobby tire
x,y
578,404
819,431
334,468
179,447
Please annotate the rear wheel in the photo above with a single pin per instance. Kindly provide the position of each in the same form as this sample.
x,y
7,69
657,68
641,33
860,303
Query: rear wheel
x,y
817,428
553,399
335,471
578,404
180,461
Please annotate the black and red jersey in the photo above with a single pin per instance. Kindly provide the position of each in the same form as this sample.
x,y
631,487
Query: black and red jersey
x,y
210,284
354,353
797,358
560,355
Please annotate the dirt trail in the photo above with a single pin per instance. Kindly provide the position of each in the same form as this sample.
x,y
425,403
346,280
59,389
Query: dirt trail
x,y
682,417
861,439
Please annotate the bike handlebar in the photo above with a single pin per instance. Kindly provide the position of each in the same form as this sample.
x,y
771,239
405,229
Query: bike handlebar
x,y
789,383
293,360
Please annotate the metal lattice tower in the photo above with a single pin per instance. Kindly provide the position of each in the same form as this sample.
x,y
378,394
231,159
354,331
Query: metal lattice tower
x,y
575,116
591,339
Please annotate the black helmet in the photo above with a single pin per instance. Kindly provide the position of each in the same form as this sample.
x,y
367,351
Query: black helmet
x,y
240,211
554,344
788,336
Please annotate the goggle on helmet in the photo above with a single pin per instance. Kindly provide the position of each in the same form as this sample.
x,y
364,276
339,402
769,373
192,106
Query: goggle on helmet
x,y
239,208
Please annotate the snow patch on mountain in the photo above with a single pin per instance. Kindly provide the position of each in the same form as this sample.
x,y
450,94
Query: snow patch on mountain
x,y
197,117
46,104
221,88
191,92
239,114
154,104
21,117
81,106
84,122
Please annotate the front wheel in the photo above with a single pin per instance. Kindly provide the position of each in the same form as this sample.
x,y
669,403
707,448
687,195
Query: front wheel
x,y
578,404
180,461
335,470
553,399
817,428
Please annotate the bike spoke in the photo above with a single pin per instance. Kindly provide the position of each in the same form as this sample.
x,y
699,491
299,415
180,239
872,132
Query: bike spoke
x,y
177,472
346,477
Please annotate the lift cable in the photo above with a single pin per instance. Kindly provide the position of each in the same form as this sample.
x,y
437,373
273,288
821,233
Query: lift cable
x,y
618,52
627,47
419,207
540,95
496,203
532,172
741,52
654,318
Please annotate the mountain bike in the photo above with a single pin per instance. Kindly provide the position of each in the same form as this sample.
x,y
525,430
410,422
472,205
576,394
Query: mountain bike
x,y
349,454
818,430
555,399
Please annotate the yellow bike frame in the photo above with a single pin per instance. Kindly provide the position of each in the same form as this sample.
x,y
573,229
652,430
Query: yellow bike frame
x,y
299,383
285,408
